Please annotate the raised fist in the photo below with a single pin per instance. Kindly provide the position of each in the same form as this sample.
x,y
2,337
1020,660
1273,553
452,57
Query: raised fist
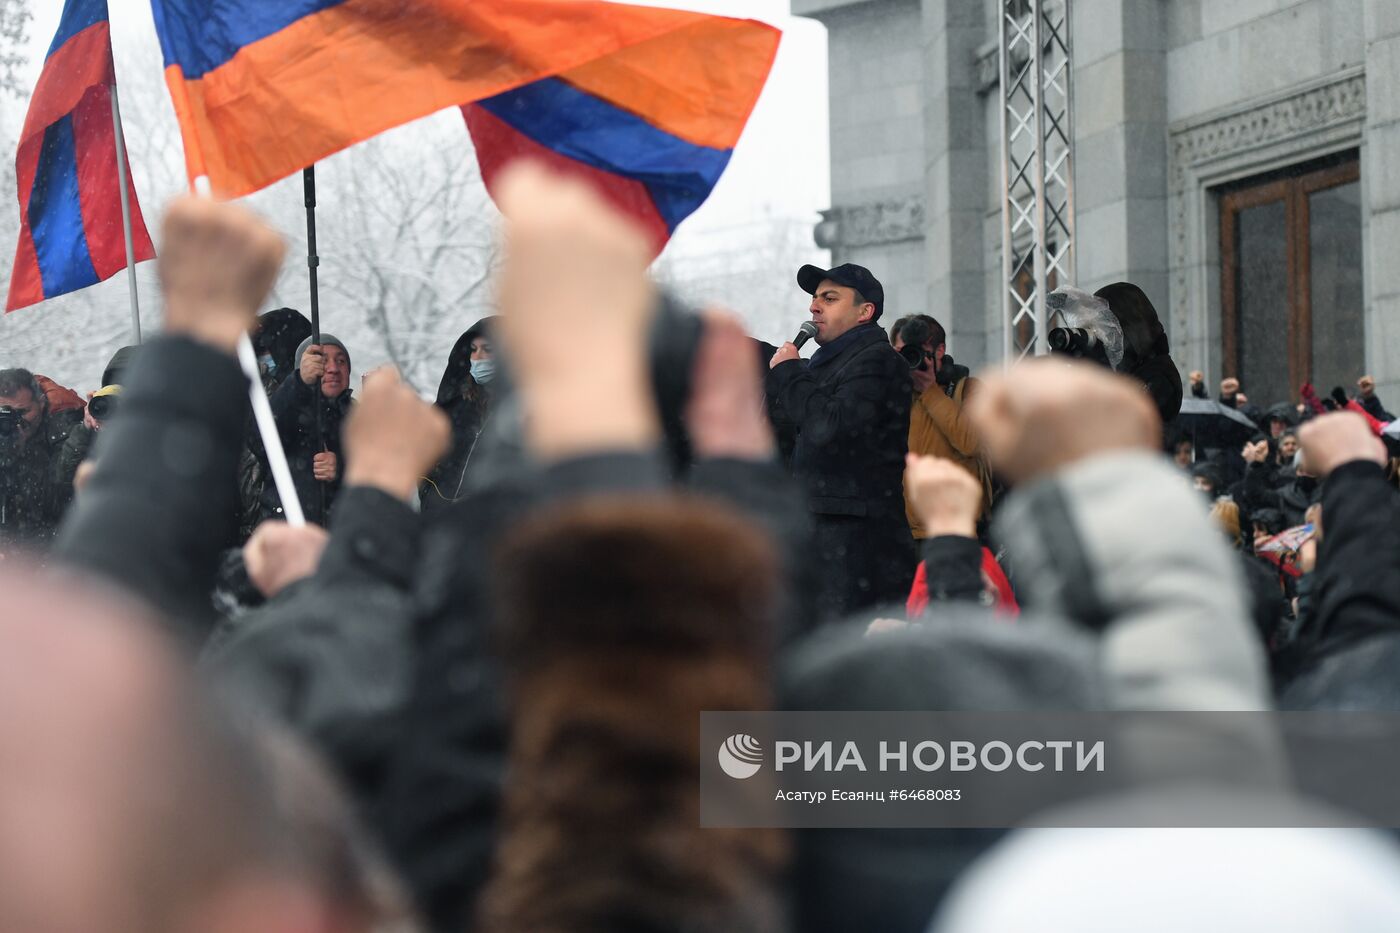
x,y
217,264
946,497
1047,413
1328,441
393,437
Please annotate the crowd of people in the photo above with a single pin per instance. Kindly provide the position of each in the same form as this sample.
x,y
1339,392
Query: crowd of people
x,y
465,694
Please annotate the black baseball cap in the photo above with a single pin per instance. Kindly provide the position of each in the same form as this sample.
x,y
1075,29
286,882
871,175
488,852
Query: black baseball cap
x,y
848,274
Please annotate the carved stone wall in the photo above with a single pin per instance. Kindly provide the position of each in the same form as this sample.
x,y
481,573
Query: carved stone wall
x,y
871,224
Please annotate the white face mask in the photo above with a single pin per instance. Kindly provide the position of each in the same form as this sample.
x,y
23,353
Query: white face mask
x,y
483,370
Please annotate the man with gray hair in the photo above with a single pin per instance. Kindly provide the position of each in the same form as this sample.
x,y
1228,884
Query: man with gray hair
x,y
32,493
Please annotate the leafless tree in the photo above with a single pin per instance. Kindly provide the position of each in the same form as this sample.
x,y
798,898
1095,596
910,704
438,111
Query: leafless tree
x,y
14,33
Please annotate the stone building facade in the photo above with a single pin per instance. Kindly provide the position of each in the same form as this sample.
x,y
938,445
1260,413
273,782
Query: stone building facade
x,y
1237,159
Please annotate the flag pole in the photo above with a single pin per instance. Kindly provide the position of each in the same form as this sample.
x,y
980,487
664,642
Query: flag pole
x,y
126,215
313,261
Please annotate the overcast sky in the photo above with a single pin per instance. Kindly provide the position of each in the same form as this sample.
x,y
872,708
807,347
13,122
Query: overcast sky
x,y
781,165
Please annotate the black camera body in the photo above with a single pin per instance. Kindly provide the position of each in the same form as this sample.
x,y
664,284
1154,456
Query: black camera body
x,y
11,425
916,333
1078,343
915,355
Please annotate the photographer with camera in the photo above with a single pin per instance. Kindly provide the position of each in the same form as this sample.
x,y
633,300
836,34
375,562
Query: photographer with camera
x,y
938,426
101,405
33,491
850,409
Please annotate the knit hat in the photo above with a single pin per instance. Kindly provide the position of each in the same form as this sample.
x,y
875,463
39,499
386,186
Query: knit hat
x,y
327,340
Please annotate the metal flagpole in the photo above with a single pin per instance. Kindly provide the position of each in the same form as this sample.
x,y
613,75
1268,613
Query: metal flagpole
x,y
126,215
313,261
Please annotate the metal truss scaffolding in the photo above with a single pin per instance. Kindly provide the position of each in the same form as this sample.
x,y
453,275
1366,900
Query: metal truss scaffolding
x,y
1037,175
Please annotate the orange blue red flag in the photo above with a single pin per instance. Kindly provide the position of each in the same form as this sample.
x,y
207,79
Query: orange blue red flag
x,y
646,102
69,196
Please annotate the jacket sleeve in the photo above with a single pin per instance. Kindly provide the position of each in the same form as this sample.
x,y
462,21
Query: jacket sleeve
x,y
951,419
1258,488
161,505
332,655
1357,585
826,413
287,403
1121,545
953,569
762,492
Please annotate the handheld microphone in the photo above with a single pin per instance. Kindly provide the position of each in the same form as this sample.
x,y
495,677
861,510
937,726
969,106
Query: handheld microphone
x,y
804,334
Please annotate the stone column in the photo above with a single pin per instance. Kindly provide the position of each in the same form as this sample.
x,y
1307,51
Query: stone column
x,y
875,55
1380,183
1120,139
957,163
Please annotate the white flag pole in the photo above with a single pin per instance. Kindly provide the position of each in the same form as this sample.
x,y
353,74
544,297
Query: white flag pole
x,y
126,215
262,414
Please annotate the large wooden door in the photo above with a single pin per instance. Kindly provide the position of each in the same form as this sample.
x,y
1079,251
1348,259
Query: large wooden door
x,y
1292,298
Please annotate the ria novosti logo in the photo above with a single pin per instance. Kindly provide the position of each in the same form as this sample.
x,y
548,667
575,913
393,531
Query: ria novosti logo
x,y
740,756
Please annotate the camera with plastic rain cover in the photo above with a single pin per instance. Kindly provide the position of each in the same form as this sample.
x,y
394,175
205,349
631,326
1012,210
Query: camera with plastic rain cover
x,y
1078,342
1118,327
1089,330
500,455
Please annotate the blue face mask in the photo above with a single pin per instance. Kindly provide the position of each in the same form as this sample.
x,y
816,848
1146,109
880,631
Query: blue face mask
x,y
268,365
483,371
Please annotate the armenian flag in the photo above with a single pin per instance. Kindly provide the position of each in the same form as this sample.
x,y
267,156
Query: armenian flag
x,y
69,199
646,102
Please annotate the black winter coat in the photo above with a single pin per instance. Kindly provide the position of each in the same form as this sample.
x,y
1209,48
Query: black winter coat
x,y
851,417
293,409
467,406
35,486
1350,653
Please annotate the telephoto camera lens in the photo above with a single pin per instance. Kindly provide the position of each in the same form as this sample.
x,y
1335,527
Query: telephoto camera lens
x,y
102,406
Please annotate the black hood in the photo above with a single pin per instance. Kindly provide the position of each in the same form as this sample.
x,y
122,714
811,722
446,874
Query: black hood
x,y
1146,350
279,333
459,363
1283,411
121,361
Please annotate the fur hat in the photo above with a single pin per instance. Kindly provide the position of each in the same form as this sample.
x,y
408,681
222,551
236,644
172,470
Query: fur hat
x,y
623,620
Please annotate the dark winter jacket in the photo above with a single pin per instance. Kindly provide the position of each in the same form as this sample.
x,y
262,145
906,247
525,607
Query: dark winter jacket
x,y
159,510
850,410
293,409
1292,497
1351,649
467,406
35,487
1374,408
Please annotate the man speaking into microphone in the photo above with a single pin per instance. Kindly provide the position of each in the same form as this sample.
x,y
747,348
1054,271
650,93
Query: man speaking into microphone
x,y
849,408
